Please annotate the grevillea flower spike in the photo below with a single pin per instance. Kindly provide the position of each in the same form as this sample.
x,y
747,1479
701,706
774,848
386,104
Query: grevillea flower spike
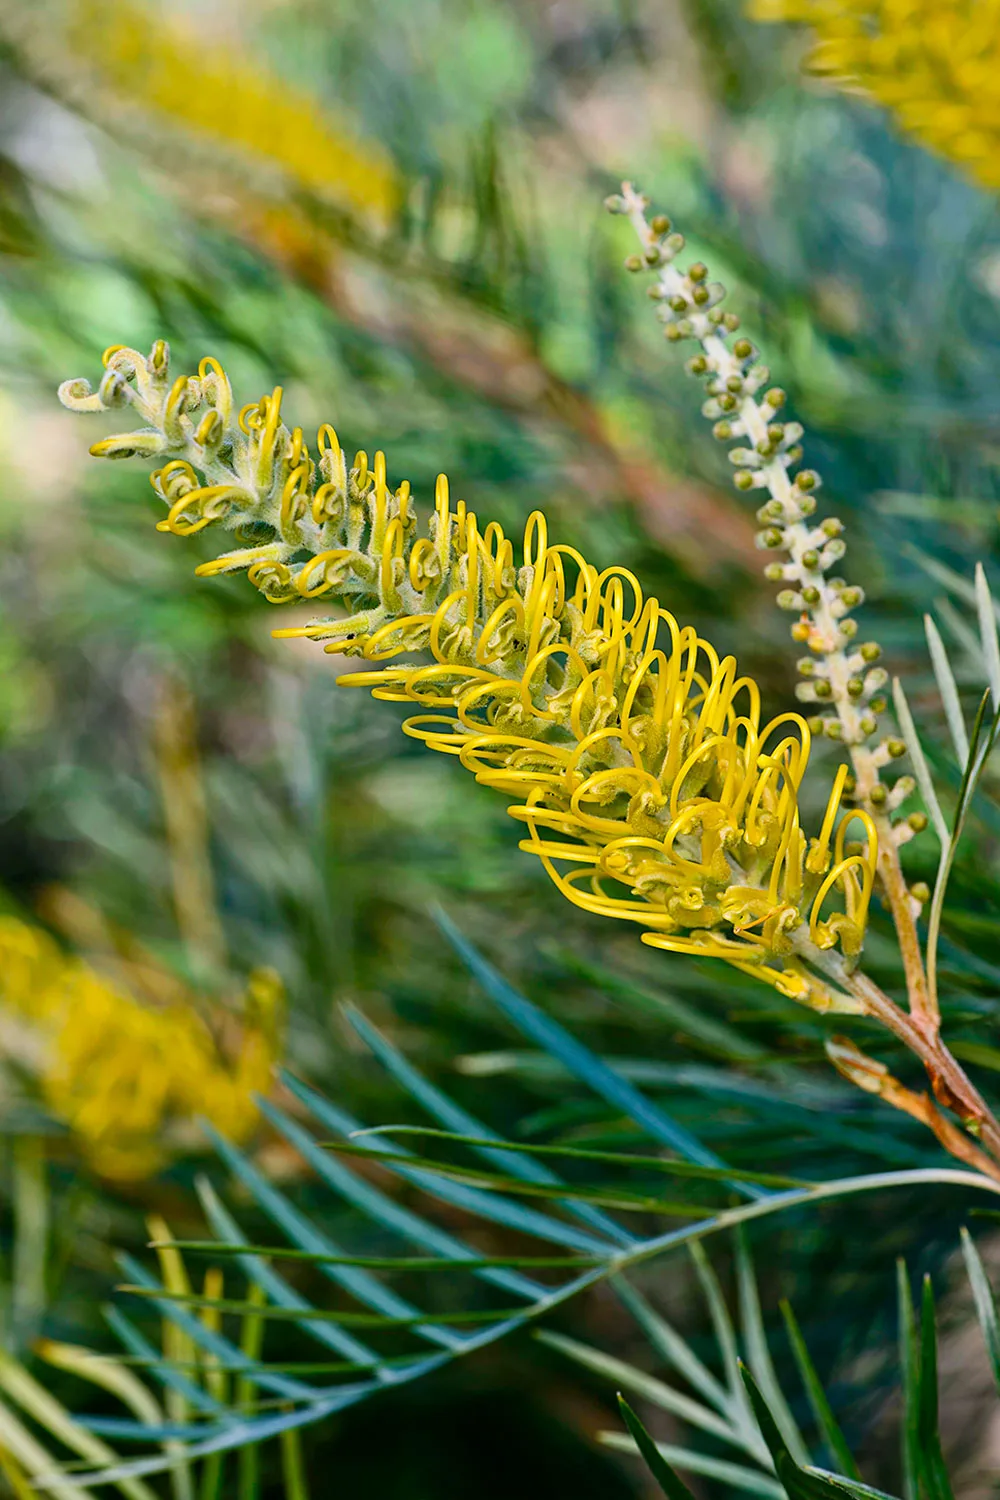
x,y
639,766
648,785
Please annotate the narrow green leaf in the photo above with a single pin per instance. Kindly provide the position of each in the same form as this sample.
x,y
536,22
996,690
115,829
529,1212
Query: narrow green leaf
x,y
932,1468
749,1481
920,767
988,634
978,755
759,1353
673,1487
320,1404
850,1486
495,1182
320,1314
948,690
451,1117
799,1483
669,1344
251,1347
909,1364
591,1070
293,1470
964,635
822,1411
55,1420
725,1338
668,1165
647,1386
986,1307
383,1262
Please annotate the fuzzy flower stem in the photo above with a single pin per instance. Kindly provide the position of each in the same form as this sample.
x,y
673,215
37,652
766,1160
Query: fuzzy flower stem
x,y
837,674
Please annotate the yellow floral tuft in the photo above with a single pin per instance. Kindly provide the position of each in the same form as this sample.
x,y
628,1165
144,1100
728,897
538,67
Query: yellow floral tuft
x,y
936,66
128,1080
648,786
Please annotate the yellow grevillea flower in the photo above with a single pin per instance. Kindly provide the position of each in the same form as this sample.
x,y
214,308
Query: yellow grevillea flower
x,y
127,1080
934,63
649,788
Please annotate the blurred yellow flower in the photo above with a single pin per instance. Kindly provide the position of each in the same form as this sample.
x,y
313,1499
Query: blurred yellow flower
x,y
128,65
936,66
128,1080
649,787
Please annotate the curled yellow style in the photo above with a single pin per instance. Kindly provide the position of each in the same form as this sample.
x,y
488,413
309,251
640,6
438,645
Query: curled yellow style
x,y
636,757
127,1079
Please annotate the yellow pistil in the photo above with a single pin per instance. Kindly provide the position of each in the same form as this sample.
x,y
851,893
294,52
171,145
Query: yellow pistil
x,y
635,756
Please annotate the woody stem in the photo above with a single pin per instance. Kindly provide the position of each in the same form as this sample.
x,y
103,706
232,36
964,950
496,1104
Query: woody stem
x,y
950,1085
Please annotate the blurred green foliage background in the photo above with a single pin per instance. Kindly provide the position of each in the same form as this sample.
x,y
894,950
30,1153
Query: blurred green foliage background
x,y
180,795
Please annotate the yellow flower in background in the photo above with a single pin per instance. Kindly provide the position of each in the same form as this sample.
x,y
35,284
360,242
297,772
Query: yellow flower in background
x,y
936,66
128,1080
127,54
648,785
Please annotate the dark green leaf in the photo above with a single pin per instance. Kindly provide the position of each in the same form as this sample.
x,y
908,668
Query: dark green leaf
x,y
673,1487
822,1411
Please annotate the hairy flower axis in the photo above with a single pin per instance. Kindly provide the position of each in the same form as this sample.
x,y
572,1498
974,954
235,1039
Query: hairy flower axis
x,y
837,675
637,756
936,66
128,1080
